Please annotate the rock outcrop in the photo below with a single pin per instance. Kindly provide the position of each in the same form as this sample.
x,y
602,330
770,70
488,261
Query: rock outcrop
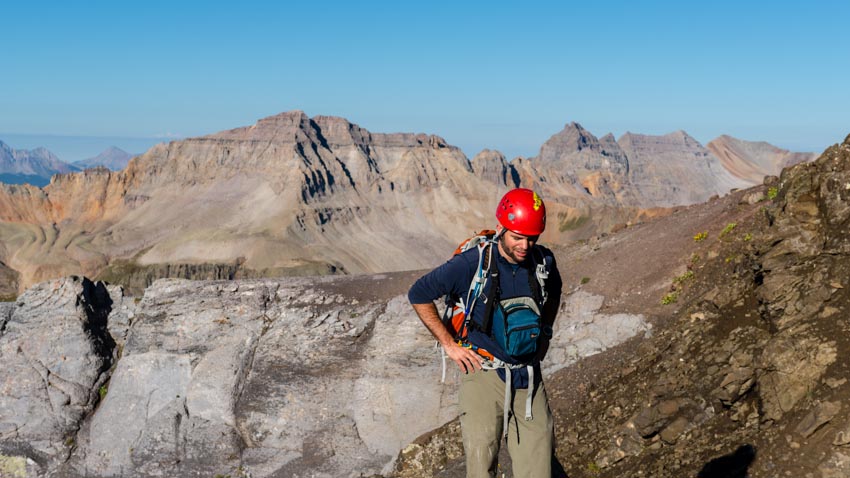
x,y
493,167
745,373
56,354
292,377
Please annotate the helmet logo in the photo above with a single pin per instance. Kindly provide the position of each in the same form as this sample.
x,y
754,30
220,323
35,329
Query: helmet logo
x,y
511,217
537,202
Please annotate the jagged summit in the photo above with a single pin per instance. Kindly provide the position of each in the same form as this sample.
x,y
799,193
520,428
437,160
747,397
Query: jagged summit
x,y
572,139
577,165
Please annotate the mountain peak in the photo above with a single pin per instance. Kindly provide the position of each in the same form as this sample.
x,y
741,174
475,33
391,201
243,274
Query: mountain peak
x,y
572,139
292,115
575,129
283,121
684,137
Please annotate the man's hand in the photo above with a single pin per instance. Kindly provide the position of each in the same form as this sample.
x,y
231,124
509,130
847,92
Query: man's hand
x,y
465,358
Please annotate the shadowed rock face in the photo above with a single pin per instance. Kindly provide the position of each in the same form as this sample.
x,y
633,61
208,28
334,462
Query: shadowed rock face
x,y
491,166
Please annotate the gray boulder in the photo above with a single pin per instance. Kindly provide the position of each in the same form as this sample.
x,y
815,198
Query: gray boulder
x,y
56,353
267,378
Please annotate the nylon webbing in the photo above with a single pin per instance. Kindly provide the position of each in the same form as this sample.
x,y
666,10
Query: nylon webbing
x,y
507,409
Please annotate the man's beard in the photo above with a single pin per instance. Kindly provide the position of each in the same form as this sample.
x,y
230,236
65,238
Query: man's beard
x,y
510,253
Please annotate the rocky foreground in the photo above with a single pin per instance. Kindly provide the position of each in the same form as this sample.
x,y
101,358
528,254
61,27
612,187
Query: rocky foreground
x,y
319,377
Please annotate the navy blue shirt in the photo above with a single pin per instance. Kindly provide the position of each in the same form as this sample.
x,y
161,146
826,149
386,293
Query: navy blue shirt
x,y
454,277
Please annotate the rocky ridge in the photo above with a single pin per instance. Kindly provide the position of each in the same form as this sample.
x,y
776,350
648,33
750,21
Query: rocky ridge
x,y
675,169
255,196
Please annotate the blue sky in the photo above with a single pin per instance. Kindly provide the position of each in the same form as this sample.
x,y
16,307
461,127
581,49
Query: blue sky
x,y
499,75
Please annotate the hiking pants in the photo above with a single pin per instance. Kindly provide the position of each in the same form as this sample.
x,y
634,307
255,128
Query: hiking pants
x,y
530,442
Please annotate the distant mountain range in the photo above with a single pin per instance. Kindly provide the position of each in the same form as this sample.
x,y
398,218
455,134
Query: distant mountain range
x,y
112,158
293,195
30,166
37,166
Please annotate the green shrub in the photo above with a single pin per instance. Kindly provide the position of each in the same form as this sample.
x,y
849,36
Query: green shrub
x,y
700,236
682,278
729,228
772,192
670,298
572,224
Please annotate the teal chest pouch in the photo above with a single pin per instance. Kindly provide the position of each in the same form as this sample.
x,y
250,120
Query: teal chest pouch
x,y
517,326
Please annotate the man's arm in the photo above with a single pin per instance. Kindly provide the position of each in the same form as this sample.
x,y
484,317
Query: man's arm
x,y
465,358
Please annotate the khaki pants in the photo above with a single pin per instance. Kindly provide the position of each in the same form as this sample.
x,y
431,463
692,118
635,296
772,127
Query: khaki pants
x,y
530,442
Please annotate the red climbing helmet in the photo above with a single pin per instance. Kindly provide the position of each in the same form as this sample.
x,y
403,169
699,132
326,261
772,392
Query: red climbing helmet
x,y
522,211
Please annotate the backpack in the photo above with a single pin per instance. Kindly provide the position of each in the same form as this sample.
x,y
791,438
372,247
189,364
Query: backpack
x,y
524,327
459,309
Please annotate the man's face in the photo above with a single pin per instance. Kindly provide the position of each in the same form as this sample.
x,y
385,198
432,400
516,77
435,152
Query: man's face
x,y
516,247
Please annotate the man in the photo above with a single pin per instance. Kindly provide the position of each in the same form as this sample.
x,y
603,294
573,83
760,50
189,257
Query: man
x,y
510,324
